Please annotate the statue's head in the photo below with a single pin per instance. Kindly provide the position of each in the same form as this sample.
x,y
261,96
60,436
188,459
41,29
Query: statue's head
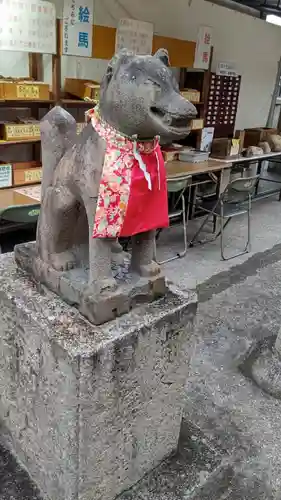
x,y
139,95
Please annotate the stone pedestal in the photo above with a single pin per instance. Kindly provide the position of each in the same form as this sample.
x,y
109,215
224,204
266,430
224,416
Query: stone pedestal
x,y
90,409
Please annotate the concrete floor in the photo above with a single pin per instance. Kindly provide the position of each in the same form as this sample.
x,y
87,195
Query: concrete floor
x,y
204,261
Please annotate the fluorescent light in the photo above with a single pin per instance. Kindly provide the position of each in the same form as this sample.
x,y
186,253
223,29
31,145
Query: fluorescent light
x,y
273,19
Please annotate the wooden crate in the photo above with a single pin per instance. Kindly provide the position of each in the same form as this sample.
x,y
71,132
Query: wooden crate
x,y
19,132
24,91
84,89
29,172
197,124
225,147
191,95
253,136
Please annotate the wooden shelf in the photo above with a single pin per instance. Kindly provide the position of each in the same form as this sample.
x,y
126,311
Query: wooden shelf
x,y
26,102
77,101
27,141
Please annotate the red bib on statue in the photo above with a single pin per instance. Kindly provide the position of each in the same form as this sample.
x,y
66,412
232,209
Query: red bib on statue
x,y
133,189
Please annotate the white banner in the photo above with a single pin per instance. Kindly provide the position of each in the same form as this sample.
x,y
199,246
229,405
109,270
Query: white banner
x,y
133,35
28,26
203,48
78,19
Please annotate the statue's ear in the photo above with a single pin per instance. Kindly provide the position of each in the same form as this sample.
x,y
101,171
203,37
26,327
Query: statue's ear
x,y
119,58
163,55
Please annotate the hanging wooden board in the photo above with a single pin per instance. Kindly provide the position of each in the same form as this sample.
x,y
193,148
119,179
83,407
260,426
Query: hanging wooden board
x,y
181,52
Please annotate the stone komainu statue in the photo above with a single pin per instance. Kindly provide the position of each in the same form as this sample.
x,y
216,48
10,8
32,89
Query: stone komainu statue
x,y
109,181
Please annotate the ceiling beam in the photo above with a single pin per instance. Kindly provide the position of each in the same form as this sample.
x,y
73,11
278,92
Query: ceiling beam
x,y
239,7
266,7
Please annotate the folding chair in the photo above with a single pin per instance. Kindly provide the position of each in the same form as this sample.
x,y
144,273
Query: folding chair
x,y
178,185
235,200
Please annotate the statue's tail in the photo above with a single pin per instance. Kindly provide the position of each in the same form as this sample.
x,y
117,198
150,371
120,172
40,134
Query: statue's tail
x,y
58,134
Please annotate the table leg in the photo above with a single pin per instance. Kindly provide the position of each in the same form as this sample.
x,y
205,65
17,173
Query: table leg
x,y
224,180
258,173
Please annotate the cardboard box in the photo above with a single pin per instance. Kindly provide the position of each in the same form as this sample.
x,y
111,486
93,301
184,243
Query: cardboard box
x,y
24,91
253,136
24,173
19,131
84,89
191,95
224,148
197,124
170,153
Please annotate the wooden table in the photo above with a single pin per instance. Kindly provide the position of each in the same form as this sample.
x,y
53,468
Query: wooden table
x,y
21,202
248,159
11,198
17,208
219,173
245,163
178,168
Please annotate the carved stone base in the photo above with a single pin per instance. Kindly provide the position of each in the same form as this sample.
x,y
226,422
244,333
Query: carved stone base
x,y
262,364
91,409
72,285
266,372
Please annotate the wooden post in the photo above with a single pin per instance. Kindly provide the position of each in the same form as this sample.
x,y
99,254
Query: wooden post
x,y
56,67
36,71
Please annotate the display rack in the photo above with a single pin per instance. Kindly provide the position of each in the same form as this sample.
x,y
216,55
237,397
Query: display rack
x,y
197,79
222,104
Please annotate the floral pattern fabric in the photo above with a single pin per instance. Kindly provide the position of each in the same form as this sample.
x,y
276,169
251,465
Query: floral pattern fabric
x,y
118,176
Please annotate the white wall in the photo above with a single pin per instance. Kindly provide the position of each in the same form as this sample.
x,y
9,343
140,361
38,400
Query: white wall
x,y
252,44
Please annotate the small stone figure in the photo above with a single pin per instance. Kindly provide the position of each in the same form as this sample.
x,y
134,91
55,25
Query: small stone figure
x,y
265,147
253,151
108,183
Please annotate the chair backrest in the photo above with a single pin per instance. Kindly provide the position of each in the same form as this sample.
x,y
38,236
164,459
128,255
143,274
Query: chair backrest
x,y
21,213
178,183
240,189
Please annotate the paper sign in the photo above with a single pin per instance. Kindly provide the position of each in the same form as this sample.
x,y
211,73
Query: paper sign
x,y
34,175
28,92
5,176
207,136
28,26
78,18
235,143
203,48
33,192
36,130
134,35
226,69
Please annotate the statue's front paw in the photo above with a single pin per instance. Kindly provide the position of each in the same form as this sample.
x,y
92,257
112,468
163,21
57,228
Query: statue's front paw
x,y
149,270
63,261
104,285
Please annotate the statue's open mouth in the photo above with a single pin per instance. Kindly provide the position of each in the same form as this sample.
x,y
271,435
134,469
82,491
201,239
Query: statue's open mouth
x,y
171,121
